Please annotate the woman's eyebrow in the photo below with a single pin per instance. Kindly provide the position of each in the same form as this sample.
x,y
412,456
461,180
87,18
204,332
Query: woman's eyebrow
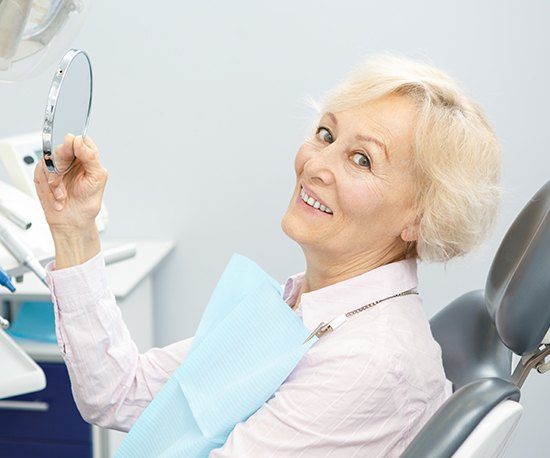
x,y
368,138
331,116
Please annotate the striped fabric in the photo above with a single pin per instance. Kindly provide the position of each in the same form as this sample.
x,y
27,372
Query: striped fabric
x,y
364,390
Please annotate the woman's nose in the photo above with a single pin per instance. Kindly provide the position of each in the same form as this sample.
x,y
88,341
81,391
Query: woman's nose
x,y
321,166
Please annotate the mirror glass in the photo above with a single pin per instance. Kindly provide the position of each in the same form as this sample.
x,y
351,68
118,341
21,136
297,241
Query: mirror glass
x,y
68,109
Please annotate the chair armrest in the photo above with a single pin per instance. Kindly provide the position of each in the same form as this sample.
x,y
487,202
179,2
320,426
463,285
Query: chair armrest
x,y
453,422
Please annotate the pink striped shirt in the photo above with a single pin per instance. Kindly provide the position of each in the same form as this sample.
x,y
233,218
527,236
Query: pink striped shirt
x,y
365,389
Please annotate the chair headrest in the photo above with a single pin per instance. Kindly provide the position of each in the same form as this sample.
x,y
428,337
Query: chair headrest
x,y
517,292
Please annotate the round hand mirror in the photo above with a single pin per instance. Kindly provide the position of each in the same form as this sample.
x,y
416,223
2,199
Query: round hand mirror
x,y
68,109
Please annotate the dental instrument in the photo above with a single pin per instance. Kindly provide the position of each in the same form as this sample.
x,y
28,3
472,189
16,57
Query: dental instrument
x,y
22,253
119,253
5,281
14,216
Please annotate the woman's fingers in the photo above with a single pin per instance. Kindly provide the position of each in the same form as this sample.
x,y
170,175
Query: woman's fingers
x,y
64,154
87,156
54,182
87,153
59,191
43,189
89,142
55,197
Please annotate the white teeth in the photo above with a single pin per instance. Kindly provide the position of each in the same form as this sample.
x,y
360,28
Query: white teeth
x,y
314,203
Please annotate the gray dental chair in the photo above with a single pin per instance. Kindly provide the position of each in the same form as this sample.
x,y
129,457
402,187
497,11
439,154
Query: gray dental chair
x,y
479,331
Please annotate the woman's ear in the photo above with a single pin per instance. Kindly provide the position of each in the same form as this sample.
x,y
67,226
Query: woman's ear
x,y
410,233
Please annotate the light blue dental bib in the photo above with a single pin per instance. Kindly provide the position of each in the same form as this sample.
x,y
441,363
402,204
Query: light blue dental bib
x,y
248,341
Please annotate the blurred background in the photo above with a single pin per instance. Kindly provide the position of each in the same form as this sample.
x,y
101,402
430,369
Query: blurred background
x,y
199,108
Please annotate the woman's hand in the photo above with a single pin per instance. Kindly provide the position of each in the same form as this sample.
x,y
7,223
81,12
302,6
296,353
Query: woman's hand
x,y
72,201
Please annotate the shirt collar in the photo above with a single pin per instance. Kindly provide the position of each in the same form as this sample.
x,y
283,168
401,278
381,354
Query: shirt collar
x,y
327,303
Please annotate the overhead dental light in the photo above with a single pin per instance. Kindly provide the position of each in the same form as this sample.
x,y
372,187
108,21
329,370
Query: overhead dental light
x,y
34,34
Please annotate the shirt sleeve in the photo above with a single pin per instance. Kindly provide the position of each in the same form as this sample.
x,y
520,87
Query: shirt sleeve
x,y
112,383
353,403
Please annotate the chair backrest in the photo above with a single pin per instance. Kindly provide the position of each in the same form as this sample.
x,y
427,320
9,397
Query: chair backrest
x,y
470,345
517,291
477,333
479,330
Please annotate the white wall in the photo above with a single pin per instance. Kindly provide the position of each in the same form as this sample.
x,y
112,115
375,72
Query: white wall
x,y
199,108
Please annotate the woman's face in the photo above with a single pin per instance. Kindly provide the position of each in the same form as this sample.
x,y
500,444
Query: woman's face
x,y
358,165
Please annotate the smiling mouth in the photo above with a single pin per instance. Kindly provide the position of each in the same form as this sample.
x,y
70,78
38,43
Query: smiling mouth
x,y
312,202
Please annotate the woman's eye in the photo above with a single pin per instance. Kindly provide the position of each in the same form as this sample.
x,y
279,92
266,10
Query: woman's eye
x,y
324,135
362,160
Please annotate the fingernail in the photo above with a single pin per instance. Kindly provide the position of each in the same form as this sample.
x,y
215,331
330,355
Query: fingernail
x,y
58,193
58,205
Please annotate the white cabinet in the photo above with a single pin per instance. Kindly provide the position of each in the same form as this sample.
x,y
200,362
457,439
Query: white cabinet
x,y
131,282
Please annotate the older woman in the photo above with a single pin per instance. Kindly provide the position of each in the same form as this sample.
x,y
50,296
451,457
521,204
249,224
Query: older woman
x,y
401,167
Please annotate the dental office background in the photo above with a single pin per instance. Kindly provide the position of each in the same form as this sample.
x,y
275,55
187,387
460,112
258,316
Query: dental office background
x,y
199,108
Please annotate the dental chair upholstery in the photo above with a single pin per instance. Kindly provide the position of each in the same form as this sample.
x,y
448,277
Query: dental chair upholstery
x,y
479,331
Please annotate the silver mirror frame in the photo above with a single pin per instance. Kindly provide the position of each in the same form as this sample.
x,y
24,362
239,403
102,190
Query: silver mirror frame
x,y
49,118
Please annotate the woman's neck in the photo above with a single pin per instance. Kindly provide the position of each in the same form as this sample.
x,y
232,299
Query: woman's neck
x,y
321,272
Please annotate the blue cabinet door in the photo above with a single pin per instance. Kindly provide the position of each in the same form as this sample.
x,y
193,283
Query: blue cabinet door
x,y
61,422
44,450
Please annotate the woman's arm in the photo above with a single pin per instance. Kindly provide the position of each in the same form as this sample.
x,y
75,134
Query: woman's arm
x,y
111,382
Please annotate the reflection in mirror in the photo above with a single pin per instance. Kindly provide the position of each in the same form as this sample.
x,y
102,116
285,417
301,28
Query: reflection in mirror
x,y
68,109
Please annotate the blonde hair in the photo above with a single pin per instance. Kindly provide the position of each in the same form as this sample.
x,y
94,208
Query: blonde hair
x,y
456,156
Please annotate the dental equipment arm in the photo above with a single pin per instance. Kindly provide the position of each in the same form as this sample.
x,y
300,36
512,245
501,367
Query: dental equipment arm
x,y
21,252
35,33
13,18
5,281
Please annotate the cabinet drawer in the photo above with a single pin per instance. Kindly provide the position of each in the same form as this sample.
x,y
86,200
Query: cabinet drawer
x,y
47,415
44,450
